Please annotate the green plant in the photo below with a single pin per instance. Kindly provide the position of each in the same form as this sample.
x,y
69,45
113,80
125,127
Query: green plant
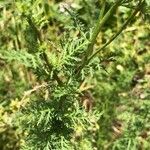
x,y
52,113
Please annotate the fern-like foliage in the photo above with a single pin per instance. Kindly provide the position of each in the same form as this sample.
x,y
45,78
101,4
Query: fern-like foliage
x,y
59,121
58,116
22,57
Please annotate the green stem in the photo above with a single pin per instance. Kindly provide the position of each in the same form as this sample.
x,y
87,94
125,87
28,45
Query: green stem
x,y
118,33
101,21
102,10
114,36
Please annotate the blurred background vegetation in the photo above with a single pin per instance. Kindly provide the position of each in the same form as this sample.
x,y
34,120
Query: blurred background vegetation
x,y
122,93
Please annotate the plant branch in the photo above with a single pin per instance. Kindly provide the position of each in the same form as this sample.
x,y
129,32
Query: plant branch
x,y
119,31
101,21
102,10
49,66
116,35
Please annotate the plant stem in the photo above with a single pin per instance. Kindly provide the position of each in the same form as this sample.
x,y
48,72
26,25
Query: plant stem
x,y
101,21
114,36
99,24
102,10
118,33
